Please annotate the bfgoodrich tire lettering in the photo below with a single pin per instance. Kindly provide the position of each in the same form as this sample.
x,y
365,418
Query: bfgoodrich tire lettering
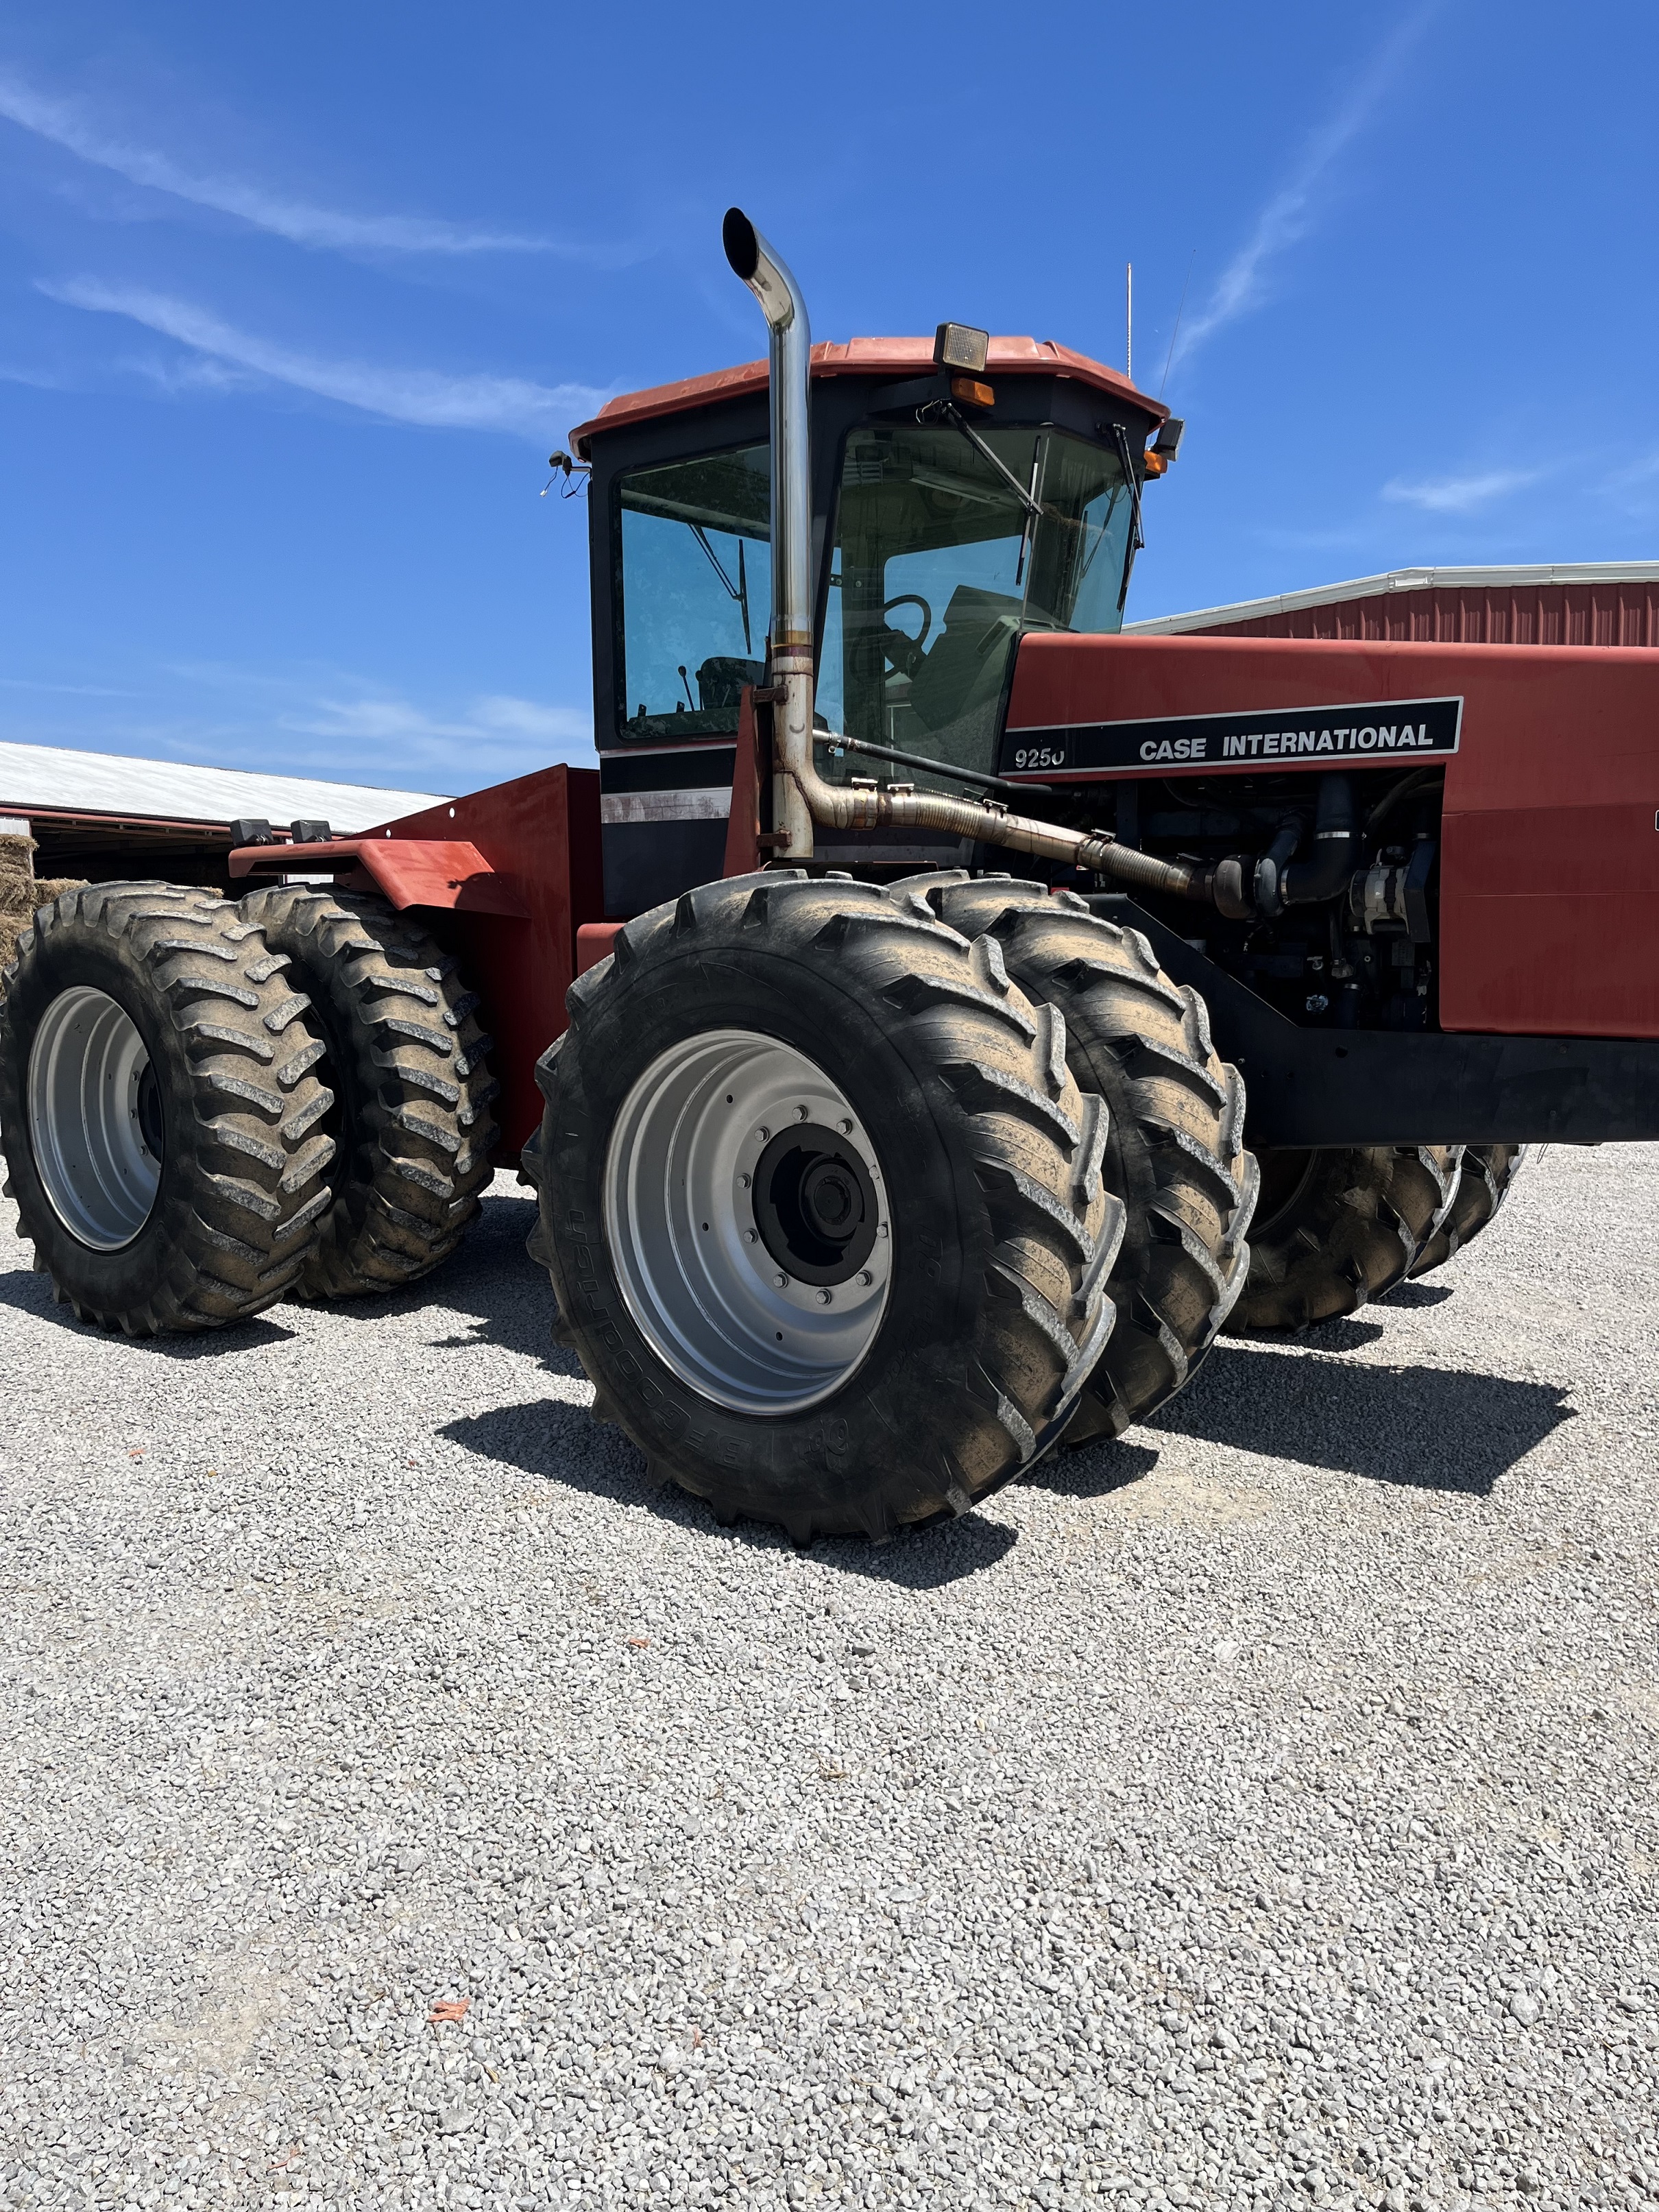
x,y
989,1157
233,1097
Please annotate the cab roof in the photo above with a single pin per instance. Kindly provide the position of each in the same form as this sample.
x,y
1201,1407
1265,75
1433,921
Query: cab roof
x,y
860,357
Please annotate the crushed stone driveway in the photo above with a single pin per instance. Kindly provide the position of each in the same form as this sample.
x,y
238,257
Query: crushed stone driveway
x,y
401,1805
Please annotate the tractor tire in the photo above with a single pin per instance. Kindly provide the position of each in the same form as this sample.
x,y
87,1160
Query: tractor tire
x,y
407,1060
823,1205
1487,1172
161,1109
1175,1152
1336,1227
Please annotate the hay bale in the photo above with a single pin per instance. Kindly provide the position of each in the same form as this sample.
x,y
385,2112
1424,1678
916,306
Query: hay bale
x,y
20,892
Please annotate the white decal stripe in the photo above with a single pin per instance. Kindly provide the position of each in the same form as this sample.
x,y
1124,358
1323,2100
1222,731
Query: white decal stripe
x,y
702,804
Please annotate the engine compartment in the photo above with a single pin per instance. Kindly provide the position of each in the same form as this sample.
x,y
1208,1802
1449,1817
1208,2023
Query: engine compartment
x,y
1327,882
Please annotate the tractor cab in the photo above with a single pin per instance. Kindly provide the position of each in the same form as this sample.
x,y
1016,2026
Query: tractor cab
x,y
951,514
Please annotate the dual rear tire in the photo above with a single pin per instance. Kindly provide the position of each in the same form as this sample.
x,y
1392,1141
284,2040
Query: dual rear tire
x,y
857,1200
1337,1230
1175,1149
1485,1176
161,1109
406,1059
206,1108
823,1205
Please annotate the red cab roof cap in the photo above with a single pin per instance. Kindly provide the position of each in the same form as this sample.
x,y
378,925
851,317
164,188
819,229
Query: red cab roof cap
x,y
860,358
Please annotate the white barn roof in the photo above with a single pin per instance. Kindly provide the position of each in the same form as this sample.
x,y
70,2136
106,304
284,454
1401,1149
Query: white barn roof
x,y
50,779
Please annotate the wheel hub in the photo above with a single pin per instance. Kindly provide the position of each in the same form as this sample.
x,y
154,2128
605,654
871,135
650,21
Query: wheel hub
x,y
746,1216
95,1122
815,1204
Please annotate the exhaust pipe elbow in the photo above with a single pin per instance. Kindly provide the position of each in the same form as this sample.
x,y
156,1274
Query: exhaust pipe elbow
x,y
753,261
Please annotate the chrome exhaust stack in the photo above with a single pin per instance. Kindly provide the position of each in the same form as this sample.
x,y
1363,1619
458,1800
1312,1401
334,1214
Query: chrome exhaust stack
x,y
800,796
790,644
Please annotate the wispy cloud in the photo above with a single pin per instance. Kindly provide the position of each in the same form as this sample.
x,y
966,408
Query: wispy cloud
x,y
305,720
494,718
69,690
1633,485
1291,214
1461,495
299,221
424,396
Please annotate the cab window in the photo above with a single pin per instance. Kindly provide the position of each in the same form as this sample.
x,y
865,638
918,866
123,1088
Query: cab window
x,y
694,587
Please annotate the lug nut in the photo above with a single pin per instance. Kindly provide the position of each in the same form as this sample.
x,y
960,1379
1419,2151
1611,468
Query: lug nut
x,y
782,1281
826,1297
846,1128
866,1279
749,1235
762,1132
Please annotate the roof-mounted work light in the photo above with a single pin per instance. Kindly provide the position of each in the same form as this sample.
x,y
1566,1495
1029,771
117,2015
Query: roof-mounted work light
x,y
959,348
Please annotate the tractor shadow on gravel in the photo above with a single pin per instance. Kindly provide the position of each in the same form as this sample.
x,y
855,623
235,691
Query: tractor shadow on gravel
x,y
1418,1294
1422,1428
555,1442
29,1293
560,1442
491,1286
1093,1470
492,1282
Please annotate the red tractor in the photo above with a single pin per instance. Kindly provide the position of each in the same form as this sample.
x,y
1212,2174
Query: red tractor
x,y
875,1025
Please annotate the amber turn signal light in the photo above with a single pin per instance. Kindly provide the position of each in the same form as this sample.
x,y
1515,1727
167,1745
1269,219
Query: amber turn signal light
x,y
1156,465
971,393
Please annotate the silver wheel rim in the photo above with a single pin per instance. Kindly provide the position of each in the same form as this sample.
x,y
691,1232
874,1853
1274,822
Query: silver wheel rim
x,y
698,1165
87,1070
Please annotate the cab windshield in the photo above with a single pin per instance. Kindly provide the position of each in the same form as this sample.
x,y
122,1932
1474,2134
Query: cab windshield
x,y
939,566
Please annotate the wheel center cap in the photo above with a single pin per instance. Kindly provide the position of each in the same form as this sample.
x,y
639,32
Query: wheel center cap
x,y
815,1204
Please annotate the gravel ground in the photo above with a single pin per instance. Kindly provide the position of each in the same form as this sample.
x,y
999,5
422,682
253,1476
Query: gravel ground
x,y
1258,1811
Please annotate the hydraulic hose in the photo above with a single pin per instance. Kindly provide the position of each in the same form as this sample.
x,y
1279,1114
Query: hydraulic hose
x,y
1269,870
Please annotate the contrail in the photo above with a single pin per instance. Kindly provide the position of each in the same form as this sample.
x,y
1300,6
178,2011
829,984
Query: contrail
x,y
1288,216
298,221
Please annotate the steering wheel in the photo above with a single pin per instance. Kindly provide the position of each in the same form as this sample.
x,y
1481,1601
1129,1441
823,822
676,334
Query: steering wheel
x,y
904,652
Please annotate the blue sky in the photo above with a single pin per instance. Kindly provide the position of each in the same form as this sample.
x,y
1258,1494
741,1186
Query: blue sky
x,y
294,301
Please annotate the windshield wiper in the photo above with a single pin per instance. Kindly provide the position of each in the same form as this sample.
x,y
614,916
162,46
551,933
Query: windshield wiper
x,y
946,411
1137,535
739,591
839,744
